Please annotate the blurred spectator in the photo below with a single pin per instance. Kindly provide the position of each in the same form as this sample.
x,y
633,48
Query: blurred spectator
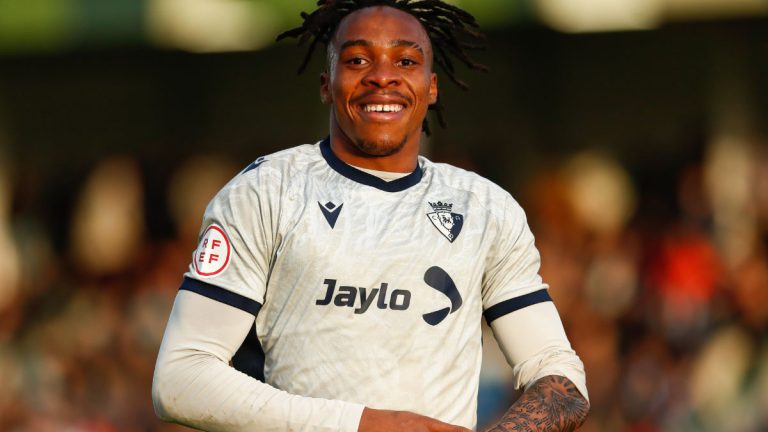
x,y
108,225
10,266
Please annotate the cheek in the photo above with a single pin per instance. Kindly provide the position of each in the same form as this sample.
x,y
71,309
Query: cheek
x,y
343,84
424,86
341,95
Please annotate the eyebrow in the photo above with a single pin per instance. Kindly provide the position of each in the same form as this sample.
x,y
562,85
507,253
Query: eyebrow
x,y
392,44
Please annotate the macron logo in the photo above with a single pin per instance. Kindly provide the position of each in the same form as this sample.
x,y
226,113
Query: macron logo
x,y
331,212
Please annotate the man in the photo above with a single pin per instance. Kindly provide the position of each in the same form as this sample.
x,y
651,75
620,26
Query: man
x,y
347,279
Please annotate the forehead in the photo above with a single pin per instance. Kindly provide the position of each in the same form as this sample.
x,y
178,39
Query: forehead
x,y
381,25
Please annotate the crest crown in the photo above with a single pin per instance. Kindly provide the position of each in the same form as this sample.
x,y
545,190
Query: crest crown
x,y
441,206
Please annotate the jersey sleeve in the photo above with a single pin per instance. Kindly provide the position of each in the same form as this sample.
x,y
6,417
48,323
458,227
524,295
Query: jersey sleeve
x,y
236,243
194,384
511,280
535,345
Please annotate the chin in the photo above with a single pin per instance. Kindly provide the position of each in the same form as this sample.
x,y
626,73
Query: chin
x,y
380,146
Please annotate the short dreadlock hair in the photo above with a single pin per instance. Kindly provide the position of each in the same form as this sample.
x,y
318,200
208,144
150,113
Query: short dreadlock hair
x,y
451,31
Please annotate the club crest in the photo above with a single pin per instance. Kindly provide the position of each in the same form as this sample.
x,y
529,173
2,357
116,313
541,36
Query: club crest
x,y
449,224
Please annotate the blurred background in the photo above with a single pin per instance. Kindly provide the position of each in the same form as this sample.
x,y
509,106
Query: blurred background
x,y
633,133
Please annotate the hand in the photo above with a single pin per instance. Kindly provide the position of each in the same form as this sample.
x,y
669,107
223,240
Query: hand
x,y
374,420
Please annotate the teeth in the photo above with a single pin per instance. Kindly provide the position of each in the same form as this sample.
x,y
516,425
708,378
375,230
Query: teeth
x,y
383,108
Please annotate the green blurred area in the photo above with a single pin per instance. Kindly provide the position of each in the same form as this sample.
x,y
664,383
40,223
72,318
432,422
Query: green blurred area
x,y
114,22
54,25
36,25
40,26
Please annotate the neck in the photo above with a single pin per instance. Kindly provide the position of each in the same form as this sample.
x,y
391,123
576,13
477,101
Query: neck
x,y
404,160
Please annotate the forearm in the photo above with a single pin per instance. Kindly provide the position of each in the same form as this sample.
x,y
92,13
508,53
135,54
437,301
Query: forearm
x,y
207,394
551,404
543,361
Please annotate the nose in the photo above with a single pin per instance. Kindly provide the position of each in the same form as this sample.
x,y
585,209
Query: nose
x,y
382,74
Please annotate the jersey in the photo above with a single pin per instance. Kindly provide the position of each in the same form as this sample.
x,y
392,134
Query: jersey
x,y
365,290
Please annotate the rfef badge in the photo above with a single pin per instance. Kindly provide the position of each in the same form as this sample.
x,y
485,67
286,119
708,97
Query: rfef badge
x,y
212,254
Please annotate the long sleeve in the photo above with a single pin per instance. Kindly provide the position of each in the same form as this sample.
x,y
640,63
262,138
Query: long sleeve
x,y
535,345
194,384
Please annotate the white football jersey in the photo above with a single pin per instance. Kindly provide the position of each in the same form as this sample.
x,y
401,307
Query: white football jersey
x,y
365,290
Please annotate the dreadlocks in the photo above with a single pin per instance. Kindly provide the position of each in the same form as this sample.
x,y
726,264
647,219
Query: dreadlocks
x,y
447,27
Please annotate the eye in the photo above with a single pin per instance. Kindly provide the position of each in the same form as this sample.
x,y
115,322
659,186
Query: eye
x,y
356,61
407,62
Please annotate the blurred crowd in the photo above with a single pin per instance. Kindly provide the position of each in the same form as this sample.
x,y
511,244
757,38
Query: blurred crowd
x,y
82,321
662,286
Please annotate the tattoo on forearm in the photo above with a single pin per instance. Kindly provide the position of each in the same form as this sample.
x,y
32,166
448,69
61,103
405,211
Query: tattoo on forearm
x,y
552,404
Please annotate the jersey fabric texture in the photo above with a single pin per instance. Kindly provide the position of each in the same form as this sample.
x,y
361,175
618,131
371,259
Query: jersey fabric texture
x,y
365,290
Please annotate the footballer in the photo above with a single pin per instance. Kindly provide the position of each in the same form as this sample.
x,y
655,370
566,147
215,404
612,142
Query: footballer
x,y
340,285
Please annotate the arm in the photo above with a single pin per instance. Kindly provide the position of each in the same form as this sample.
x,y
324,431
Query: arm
x,y
194,384
535,344
551,404
528,329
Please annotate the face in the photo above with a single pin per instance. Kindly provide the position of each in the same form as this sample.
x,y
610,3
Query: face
x,y
379,82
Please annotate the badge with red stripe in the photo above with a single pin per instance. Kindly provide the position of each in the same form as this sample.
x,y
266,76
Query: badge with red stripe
x,y
212,254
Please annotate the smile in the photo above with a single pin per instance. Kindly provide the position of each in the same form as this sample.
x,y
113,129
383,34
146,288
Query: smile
x,y
383,108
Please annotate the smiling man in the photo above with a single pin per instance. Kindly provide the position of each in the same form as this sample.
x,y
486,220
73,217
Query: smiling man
x,y
380,87
341,285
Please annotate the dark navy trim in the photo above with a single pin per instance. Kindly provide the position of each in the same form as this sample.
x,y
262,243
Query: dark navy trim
x,y
249,358
221,295
517,303
363,177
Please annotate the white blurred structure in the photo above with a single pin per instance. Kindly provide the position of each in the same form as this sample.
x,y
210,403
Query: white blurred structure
x,y
108,222
600,15
212,25
575,16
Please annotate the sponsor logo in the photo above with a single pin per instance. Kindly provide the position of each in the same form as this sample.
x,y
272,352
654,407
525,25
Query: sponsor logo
x,y
447,223
331,212
440,280
362,299
398,299
212,254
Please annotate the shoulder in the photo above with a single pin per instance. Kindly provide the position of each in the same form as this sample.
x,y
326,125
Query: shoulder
x,y
268,175
275,167
282,163
488,194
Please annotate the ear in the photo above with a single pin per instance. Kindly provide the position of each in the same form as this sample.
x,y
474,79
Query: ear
x,y
433,89
325,91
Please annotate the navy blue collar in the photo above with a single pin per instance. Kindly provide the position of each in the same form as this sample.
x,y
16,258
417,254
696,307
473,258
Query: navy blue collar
x,y
363,177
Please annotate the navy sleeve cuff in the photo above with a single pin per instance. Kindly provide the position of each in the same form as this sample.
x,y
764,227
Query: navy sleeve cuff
x,y
517,303
219,294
